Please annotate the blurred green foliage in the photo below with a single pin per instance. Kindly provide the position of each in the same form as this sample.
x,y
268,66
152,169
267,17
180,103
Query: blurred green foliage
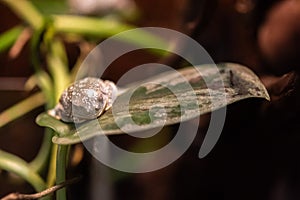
x,y
51,25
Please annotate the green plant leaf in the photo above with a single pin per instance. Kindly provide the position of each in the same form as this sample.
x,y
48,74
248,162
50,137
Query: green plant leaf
x,y
27,12
21,168
58,67
51,6
8,38
104,28
167,101
21,108
91,26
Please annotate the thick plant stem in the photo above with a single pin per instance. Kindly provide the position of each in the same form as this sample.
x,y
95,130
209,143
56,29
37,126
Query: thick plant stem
x,y
18,166
61,163
52,167
40,161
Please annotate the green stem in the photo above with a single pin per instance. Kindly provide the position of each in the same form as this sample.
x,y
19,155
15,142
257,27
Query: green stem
x,y
21,108
52,167
8,38
58,67
43,79
40,161
104,28
61,163
45,83
27,12
87,25
18,166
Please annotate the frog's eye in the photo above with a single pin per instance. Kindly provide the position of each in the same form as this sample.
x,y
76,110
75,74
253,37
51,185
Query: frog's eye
x,y
84,100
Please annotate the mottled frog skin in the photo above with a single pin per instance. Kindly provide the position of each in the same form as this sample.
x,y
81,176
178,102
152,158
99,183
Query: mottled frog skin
x,y
85,99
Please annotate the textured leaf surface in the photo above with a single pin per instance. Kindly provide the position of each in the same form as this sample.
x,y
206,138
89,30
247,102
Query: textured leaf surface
x,y
166,99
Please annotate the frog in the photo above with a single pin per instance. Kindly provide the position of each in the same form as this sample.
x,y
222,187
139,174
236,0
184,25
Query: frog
x,y
85,99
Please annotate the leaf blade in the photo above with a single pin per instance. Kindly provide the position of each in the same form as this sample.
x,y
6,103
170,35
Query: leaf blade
x,y
149,101
8,38
21,108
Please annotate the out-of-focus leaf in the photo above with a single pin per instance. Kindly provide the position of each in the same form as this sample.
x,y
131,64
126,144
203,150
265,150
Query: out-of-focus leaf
x,y
8,38
51,6
104,28
91,26
39,163
21,108
18,166
155,105
58,67
27,12
45,83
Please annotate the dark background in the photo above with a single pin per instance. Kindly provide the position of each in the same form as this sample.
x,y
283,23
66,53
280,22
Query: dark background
x,y
257,154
